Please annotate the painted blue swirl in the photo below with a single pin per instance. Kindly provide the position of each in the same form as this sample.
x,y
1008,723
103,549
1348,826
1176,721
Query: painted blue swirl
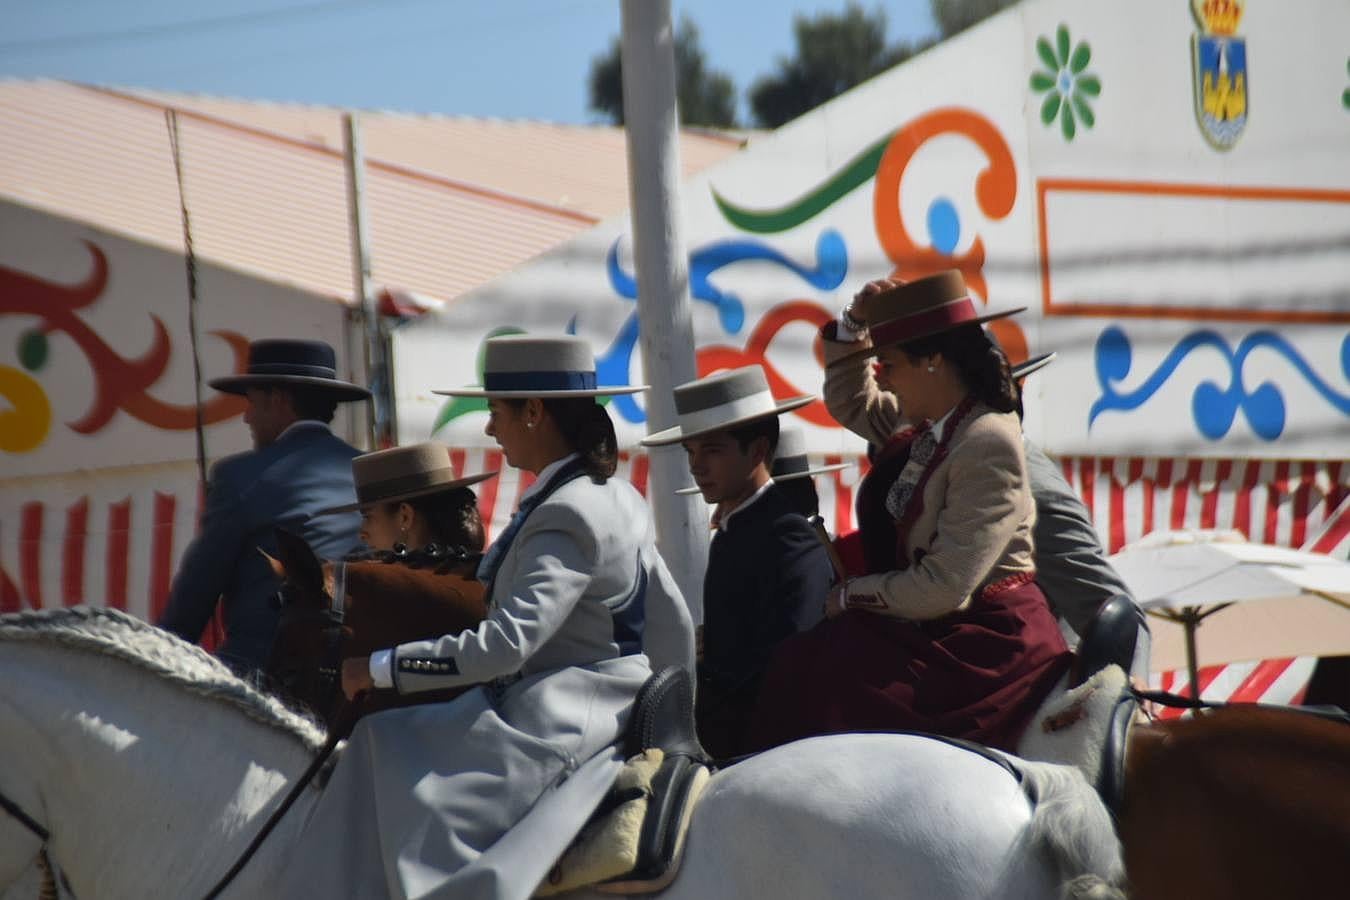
x,y
1214,407
612,367
829,272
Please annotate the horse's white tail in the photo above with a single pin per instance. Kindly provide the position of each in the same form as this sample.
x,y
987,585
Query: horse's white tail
x,y
1070,823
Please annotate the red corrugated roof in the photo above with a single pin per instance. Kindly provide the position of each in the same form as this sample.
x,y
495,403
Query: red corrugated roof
x,y
451,203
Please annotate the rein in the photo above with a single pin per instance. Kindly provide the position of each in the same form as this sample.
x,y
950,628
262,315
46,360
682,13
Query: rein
x,y
1177,701
24,819
350,714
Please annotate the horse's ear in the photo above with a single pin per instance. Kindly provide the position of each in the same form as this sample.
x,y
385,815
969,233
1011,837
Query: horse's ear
x,y
299,564
278,569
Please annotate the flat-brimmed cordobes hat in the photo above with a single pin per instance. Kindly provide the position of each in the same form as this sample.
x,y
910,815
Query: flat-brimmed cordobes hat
x,y
520,366
1035,364
402,473
789,460
722,401
285,361
919,309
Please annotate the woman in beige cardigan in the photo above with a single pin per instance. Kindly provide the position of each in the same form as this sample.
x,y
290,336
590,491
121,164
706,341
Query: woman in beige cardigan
x,y
947,632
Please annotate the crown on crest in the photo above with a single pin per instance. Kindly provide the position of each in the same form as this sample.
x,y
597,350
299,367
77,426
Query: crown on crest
x,y
1218,17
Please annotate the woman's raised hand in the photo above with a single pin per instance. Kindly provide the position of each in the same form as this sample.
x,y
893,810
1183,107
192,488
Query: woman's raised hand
x,y
857,307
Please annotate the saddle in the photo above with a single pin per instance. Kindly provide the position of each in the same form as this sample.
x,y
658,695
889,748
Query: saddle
x,y
634,841
1085,721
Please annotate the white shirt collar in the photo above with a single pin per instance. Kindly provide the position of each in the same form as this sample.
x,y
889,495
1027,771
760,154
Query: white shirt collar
x,y
545,474
722,525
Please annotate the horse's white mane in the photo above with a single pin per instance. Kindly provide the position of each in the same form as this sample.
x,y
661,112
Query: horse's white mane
x,y
113,633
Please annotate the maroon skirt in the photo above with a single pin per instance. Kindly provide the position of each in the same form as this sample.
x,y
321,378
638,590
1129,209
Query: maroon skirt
x,y
977,674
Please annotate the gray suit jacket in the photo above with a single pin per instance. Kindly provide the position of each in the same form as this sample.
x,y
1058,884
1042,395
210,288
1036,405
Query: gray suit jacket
x,y
1071,566
474,798
582,574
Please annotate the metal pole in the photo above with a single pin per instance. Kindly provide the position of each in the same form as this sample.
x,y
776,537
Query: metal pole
x,y
373,366
663,278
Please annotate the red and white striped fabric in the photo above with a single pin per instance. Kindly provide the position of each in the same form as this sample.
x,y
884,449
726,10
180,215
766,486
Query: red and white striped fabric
x,y
116,540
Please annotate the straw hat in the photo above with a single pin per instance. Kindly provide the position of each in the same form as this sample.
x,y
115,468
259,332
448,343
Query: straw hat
x,y
402,473
722,401
919,309
520,366
274,361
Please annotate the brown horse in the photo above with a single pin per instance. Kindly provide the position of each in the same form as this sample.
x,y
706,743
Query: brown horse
x,y
386,600
1241,802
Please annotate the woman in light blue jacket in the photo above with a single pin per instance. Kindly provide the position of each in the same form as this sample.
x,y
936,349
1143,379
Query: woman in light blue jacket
x,y
581,611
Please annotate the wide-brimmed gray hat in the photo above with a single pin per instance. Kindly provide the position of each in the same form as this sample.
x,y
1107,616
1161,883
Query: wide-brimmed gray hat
x,y
518,366
789,460
402,473
722,401
287,361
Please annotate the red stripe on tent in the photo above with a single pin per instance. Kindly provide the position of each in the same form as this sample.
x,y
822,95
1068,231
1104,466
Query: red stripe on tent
x,y
1209,509
72,553
1337,530
1302,504
30,553
1117,507
1339,490
1255,685
1067,465
1242,501
1087,478
1274,489
1180,493
487,492
1151,486
9,592
640,469
118,553
457,459
161,553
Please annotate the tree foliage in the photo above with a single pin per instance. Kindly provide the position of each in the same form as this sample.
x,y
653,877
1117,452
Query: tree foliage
x,y
952,16
704,95
835,51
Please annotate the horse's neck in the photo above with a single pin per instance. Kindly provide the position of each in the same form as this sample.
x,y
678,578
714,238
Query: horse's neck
x,y
133,768
1208,800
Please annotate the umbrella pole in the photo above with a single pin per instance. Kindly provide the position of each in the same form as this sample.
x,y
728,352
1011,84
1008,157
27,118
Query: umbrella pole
x,y
1190,621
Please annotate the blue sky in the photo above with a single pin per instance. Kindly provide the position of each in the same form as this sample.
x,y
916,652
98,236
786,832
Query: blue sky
x,y
504,58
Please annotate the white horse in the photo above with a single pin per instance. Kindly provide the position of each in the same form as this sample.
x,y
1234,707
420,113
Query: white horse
x,y
152,767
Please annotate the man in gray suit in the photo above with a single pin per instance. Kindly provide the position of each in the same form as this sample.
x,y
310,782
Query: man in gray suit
x,y
297,468
1071,566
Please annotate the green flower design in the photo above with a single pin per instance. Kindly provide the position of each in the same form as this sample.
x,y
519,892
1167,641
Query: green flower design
x,y
1345,94
1066,82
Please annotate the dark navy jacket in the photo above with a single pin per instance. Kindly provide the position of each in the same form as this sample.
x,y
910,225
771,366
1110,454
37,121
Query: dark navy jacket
x,y
307,469
767,578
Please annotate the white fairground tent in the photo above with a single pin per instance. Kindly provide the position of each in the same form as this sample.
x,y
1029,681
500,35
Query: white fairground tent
x,y
98,453
98,439
1165,188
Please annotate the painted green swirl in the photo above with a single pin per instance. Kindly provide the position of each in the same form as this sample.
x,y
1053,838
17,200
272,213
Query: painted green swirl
x,y
771,221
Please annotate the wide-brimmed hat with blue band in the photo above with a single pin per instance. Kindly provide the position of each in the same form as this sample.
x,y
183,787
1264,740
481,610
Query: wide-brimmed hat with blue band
x,y
518,366
721,401
285,361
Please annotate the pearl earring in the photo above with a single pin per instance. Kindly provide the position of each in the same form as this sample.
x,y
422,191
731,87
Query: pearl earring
x,y
932,369
529,424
